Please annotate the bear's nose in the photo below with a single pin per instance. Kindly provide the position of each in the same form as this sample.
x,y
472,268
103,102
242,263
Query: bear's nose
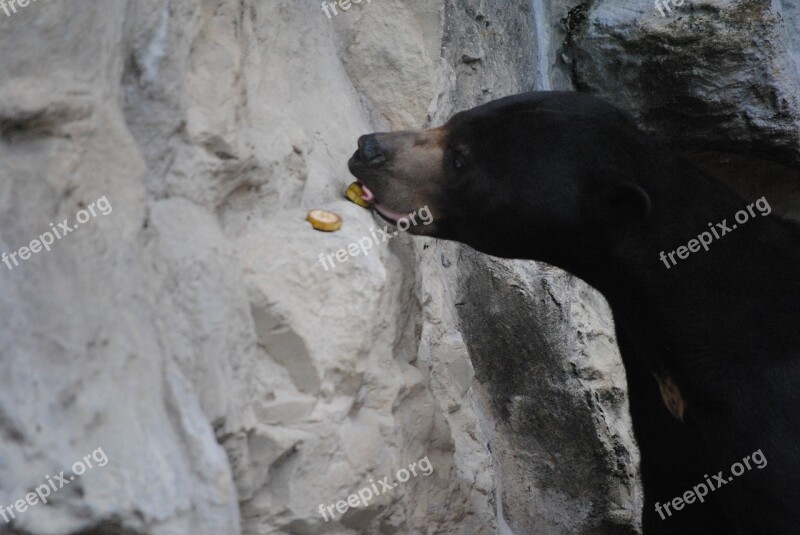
x,y
370,150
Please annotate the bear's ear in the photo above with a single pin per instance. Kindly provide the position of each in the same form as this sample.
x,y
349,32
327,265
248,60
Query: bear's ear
x,y
622,202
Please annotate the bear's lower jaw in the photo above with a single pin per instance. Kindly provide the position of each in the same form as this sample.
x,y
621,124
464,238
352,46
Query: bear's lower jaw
x,y
389,215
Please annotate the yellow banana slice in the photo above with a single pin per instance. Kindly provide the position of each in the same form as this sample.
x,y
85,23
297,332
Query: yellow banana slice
x,y
324,221
354,193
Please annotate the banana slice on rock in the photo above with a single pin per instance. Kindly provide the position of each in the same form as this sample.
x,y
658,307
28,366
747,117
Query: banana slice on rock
x,y
324,220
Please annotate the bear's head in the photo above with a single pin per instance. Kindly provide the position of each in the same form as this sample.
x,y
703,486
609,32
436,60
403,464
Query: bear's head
x,y
547,176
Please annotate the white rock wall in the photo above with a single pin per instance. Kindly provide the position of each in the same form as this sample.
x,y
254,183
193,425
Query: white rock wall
x,y
235,384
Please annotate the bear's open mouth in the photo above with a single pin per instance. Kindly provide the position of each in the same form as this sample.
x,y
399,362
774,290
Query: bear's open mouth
x,y
362,160
388,214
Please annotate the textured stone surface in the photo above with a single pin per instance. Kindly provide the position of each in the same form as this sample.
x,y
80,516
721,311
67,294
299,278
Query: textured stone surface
x,y
710,74
549,386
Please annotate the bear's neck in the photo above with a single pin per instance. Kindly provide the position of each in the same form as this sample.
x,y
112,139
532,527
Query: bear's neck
x,y
750,270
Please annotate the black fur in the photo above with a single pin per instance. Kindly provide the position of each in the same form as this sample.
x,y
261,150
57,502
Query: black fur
x,y
568,179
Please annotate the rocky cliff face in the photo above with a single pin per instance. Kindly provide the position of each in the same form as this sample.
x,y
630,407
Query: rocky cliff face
x,y
191,332
717,80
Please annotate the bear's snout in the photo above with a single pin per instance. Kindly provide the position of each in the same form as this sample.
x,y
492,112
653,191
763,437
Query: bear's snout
x,y
370,150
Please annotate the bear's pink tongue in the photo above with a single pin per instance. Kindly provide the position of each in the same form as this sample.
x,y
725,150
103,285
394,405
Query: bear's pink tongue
x,y
368,196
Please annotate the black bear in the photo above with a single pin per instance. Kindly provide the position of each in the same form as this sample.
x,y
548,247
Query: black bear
x,y
704,286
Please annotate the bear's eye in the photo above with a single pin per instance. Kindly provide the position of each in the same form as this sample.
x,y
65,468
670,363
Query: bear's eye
x,y
459,161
